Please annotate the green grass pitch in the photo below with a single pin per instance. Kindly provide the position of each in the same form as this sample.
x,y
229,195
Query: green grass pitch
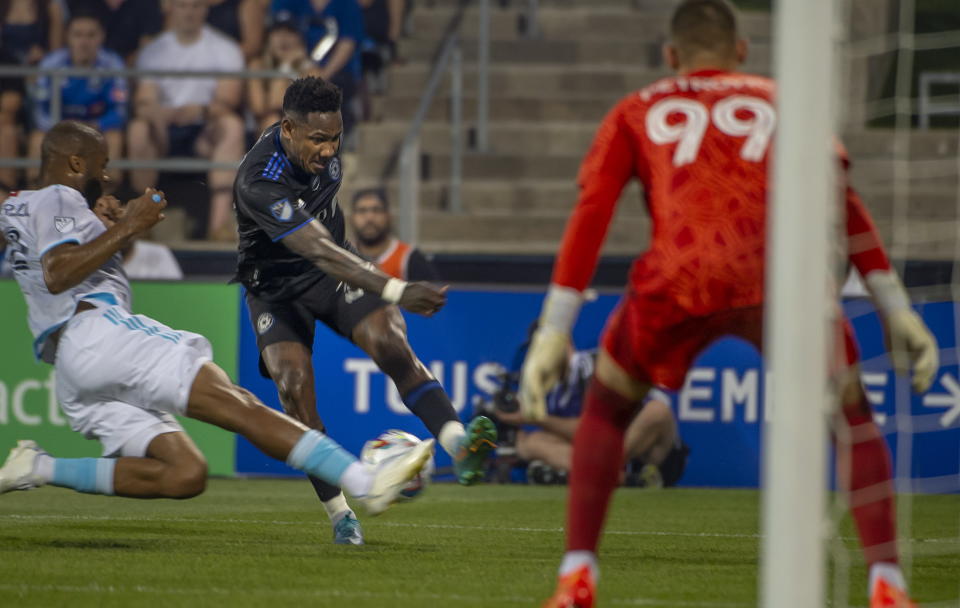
x,y
267,543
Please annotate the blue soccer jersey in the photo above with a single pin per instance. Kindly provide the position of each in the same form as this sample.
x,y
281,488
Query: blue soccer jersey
x,y
100,101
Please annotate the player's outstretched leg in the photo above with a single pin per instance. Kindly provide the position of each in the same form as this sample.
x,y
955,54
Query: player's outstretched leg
x,y
383,335
291,367
216,400
597,461
864,467
173,467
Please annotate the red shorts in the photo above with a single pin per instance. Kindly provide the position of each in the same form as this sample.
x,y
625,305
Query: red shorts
x,y
656,342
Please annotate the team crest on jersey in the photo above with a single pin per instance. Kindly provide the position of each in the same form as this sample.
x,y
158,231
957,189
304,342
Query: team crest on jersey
x,y
282,210
264,323
334,169
64,224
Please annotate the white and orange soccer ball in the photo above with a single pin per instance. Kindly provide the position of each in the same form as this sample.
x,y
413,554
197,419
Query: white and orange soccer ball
x,y
376,450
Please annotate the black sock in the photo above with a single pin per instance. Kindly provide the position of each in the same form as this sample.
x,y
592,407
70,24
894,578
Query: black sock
x,y
431,404
325,491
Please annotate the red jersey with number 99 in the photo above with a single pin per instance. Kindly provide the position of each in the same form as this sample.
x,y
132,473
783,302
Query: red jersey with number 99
x,y
699,144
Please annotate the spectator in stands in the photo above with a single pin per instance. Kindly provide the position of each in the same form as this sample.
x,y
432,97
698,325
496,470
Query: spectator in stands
x,y
11,104
242,20
333,30
370,221
130,24
98,101
29,28
655,453
285,50
383,22
190,116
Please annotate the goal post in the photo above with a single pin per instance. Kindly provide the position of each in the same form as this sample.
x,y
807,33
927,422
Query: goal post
x,y
801,306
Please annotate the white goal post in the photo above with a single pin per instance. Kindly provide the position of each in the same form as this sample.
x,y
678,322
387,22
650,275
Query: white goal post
x,y
800,306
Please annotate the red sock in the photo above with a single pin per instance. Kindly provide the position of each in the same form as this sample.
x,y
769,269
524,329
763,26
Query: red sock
x,y
862,455
597,460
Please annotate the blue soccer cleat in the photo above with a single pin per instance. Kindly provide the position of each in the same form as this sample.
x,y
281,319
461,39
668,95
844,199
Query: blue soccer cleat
x,y
347,531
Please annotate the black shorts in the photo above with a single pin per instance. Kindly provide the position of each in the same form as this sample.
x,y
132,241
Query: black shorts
x,y
339,307
182,139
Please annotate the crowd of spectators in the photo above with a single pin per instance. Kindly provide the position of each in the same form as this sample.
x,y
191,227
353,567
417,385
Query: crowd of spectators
x,y
345,41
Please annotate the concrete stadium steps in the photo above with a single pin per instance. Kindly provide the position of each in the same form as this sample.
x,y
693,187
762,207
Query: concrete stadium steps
x,y
530,80
604,51
547,97
491,232
582,21
522,198
540,109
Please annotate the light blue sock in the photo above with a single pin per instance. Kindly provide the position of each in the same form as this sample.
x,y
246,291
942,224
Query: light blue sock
x,y
90,475
320,456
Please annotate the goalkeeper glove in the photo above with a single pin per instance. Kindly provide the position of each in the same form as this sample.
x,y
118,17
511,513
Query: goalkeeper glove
x,y
549,349
911,345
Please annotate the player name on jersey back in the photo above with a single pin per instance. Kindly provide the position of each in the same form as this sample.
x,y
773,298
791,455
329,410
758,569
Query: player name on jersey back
x,y
35,222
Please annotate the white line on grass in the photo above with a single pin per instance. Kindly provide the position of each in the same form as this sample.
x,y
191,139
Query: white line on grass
x,y
187,520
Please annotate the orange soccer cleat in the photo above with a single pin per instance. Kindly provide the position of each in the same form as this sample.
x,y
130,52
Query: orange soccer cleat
x,y
574,590
886,595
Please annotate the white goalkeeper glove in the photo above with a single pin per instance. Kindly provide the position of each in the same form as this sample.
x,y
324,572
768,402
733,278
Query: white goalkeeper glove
x,y
549,349
911,345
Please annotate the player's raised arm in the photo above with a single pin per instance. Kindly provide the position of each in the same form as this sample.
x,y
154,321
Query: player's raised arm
x,y
313,242
70,260
608,166
912,347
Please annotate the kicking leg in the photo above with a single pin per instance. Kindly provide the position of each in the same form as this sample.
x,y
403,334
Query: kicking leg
x,y
172,468
216,400
291,367
382,334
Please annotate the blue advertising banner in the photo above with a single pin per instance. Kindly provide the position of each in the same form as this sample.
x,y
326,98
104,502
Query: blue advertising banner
x,y
720,409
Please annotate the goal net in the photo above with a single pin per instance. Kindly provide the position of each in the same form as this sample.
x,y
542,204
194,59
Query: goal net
x,y
897,101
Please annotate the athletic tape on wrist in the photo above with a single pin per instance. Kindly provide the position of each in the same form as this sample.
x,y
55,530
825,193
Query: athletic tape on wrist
x,y
393,290
561,308
887,291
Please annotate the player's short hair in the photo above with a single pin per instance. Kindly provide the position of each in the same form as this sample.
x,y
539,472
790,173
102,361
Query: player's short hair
x,y
311,94
704,26
380,193
67,138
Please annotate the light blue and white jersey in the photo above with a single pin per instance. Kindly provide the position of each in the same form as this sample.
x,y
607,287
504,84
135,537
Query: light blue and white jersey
x,y
33,223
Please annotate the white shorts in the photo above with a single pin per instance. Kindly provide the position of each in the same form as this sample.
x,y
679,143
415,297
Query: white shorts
x,y
120,377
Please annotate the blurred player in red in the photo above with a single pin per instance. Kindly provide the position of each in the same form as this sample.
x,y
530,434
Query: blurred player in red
x,y
699,142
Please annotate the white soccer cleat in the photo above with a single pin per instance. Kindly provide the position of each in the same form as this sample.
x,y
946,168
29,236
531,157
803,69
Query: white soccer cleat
x,y
390,476
17,471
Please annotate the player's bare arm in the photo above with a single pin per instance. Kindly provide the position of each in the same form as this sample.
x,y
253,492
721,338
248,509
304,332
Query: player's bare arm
x,y
314,243
68,265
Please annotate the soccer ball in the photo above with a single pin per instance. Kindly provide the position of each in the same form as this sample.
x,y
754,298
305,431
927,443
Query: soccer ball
x,y
375,450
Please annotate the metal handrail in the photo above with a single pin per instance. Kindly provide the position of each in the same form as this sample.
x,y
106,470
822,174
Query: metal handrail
x,y
197,165
405,159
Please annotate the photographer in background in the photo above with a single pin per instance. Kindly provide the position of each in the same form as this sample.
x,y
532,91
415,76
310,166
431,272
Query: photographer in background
x,y
655,454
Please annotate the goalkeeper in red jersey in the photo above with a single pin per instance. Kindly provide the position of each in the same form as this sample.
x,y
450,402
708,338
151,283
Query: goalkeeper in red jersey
x,y
699,142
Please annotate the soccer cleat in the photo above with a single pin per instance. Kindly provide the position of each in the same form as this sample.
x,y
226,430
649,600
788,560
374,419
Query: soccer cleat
x,y
390,476
574,590
480,439
17,471
347,531
886,595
